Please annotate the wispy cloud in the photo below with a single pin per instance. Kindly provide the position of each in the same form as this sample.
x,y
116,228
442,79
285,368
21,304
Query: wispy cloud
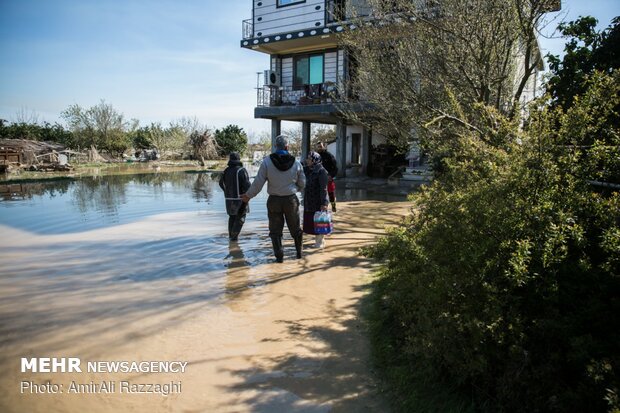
x,y
151,59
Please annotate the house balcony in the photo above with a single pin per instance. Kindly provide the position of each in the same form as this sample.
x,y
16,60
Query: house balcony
x,y
273,32
247,29
324,102
322,93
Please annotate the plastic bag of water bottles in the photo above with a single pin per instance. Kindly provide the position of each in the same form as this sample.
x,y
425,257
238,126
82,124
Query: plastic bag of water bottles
x,y
323,222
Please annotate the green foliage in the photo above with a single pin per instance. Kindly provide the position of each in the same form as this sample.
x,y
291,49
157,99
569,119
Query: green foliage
x,y
100,126
169,141
504,282
231,139
141,138
590,128
586,51
32,131
322,133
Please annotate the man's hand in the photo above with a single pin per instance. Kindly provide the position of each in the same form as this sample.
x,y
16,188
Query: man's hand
x,y
245,198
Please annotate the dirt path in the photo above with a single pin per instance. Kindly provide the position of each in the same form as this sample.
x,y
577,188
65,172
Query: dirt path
x,y
272,338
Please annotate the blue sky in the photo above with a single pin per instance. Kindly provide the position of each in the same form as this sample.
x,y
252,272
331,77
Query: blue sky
x,y
153,60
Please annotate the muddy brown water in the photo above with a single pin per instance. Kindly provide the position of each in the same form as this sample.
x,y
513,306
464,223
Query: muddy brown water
x,y
138,268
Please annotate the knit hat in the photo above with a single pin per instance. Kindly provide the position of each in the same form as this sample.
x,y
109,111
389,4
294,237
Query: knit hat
x,y
234,156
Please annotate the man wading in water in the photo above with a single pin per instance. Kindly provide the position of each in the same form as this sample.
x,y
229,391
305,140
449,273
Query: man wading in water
x,y
285,177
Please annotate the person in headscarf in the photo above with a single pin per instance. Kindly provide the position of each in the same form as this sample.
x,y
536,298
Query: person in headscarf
x,y
330,164
234,182
315,194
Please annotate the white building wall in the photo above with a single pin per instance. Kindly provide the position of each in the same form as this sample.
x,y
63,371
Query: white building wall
x,y
341,73
287,72
270,19
530,90
377,139
331,67
332,148
350,131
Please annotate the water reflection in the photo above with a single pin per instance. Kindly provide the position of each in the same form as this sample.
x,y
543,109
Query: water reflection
x,y
202,187
69,205
22,191
237,274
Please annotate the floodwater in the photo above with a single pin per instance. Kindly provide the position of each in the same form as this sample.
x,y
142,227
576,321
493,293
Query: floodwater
x,y
139,268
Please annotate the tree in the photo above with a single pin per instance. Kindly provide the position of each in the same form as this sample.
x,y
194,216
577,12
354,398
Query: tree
x,y
294,140
188,125
264,142
46,132
232,138
27,116
141,138
203,145
322,133
506,276
417,59
587,50
55,133
168,141
101,126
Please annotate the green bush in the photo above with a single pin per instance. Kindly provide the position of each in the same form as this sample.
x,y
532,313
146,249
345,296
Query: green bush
x,y
504,281
32,131
231,139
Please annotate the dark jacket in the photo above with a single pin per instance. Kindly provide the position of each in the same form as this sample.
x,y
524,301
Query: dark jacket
x,y
315,194
329,163
234,182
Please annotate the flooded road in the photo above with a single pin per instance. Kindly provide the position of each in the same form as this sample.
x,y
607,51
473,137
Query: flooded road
x,y
139,268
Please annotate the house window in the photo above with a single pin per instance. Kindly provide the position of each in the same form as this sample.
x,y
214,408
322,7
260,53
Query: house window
x,y
282,3
308,70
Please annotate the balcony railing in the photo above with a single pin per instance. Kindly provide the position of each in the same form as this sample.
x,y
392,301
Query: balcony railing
x,y
335,11
247,29
322,93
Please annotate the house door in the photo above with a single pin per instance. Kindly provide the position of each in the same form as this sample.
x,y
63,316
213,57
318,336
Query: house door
x,y
356,142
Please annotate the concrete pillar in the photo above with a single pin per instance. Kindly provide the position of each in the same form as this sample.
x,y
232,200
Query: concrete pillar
x,y
366,143
341,148
276,129
305,139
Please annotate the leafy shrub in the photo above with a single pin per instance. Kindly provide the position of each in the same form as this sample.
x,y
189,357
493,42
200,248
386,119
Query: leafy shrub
x,y
231,139
504,281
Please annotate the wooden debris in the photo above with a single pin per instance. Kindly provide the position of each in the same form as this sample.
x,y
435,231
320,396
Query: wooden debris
x,y
30,155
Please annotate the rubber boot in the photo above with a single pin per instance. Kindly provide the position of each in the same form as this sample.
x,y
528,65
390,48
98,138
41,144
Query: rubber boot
x,y
299,242
277,248
334,206
231,222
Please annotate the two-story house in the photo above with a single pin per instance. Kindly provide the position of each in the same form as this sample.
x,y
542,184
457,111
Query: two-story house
x,y
308,74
